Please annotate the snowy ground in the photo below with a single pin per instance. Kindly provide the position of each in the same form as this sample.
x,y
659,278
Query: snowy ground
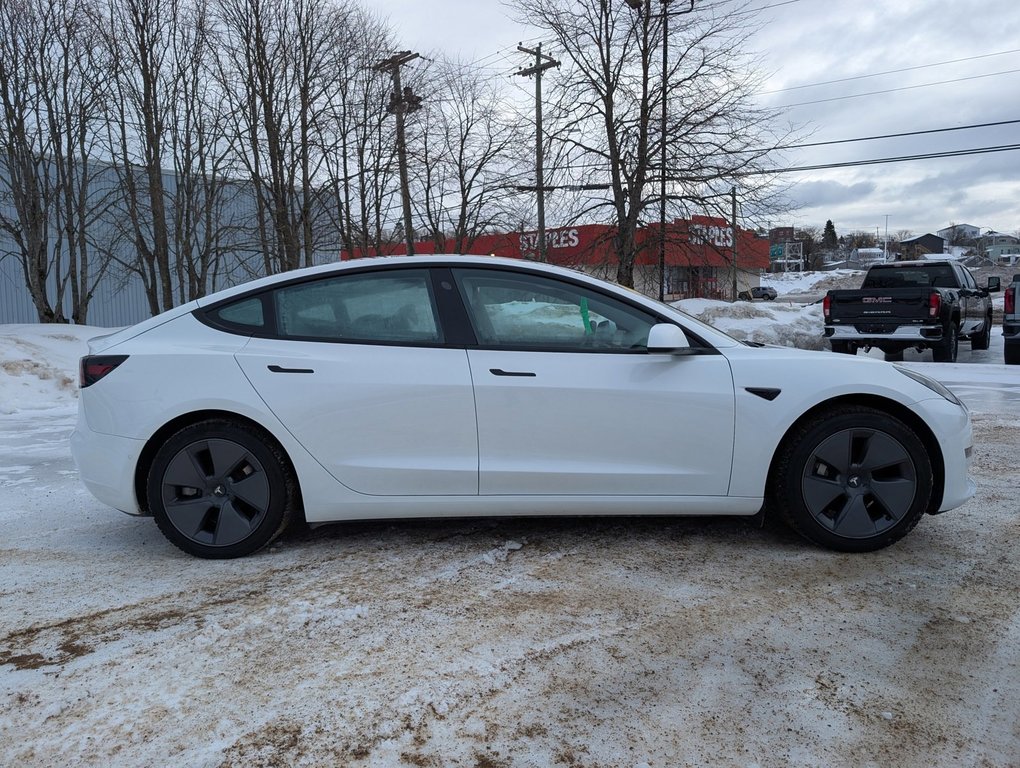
x,y
612,642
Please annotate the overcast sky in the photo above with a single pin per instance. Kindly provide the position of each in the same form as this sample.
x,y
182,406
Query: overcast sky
x,y
807,44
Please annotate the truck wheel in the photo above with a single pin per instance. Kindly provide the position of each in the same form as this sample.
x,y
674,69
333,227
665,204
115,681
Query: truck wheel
x,y
1011,353
894,357
843,347
984,339
946,350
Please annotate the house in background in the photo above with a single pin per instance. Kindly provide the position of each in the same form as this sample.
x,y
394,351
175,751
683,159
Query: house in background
x,y
922,245
1000,248
957,234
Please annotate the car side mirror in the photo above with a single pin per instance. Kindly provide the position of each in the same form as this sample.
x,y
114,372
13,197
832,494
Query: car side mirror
x,y
994,285
667,338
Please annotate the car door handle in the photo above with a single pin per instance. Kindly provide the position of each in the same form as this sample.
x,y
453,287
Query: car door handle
x,y
501,372
281,369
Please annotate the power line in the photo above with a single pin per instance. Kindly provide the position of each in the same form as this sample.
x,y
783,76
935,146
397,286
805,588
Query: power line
x,y
888,72
826,166
900,135
903,88
882,160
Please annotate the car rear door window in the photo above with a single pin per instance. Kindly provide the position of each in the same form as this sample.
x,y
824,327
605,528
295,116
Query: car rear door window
x,y
390,306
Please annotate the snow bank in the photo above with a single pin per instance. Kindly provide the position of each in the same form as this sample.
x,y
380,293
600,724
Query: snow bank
x,y
804,282
779,323
39,365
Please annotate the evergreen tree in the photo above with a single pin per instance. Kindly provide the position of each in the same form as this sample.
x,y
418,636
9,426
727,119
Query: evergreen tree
x,y
829,241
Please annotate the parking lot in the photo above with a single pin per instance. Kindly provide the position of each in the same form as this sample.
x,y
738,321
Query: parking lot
x,y
576,642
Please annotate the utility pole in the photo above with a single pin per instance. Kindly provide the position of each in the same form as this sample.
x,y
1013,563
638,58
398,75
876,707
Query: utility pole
x,y
733,225
542,63
646,5
402,101
885,243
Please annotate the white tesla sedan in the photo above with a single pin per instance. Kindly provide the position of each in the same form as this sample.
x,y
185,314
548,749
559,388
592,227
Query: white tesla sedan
x,y
468,386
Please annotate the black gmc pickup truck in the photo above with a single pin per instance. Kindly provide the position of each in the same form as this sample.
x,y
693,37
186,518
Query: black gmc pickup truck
x,y
911,305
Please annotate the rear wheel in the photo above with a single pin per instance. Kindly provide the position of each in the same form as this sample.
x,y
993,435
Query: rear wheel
x,y
843,347
983,339
220,489
895,357
854,479
946,350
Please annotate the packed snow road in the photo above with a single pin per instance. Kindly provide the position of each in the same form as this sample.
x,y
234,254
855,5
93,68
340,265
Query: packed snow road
x,y
611,642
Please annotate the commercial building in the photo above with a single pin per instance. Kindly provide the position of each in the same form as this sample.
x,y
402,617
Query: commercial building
x,y
698,254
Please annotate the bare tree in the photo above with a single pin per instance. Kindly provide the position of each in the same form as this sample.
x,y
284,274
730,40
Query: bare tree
x,y
610,94
204,203
361,155
465,139
168,137
277,66
51,85
26,194
73,84
138,38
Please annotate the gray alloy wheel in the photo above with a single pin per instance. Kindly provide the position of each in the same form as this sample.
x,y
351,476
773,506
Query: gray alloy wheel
x,y
858,483
853,479
219,489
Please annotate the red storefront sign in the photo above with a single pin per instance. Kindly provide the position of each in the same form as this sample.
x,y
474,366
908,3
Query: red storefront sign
x,y
701,242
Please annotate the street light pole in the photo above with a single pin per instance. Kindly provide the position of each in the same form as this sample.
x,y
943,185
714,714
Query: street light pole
x,y
662,161
664,15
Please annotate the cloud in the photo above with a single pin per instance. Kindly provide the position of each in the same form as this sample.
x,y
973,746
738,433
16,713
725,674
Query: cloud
x,y
822,193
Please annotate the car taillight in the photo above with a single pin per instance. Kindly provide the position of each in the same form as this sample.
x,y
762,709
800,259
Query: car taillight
x,y
934,304
95,367
827,307
1010,300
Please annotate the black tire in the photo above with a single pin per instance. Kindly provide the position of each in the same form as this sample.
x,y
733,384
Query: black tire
x,y
895,357
983,339
843,347
1011,353
220,489
743,296
853,479
946,350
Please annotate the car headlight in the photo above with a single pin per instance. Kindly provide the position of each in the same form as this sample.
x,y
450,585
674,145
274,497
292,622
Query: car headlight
x,y
935,386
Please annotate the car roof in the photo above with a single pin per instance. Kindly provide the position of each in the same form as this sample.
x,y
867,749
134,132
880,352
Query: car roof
x,y
423,261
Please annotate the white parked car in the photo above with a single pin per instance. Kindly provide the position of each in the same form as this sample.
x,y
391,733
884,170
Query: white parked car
x,y
469,386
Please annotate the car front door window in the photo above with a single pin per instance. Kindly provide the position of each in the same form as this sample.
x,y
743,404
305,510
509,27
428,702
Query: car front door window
x,y
520,311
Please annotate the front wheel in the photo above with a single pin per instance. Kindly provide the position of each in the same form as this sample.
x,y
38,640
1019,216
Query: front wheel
x,y
853,479
219,489
946,350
